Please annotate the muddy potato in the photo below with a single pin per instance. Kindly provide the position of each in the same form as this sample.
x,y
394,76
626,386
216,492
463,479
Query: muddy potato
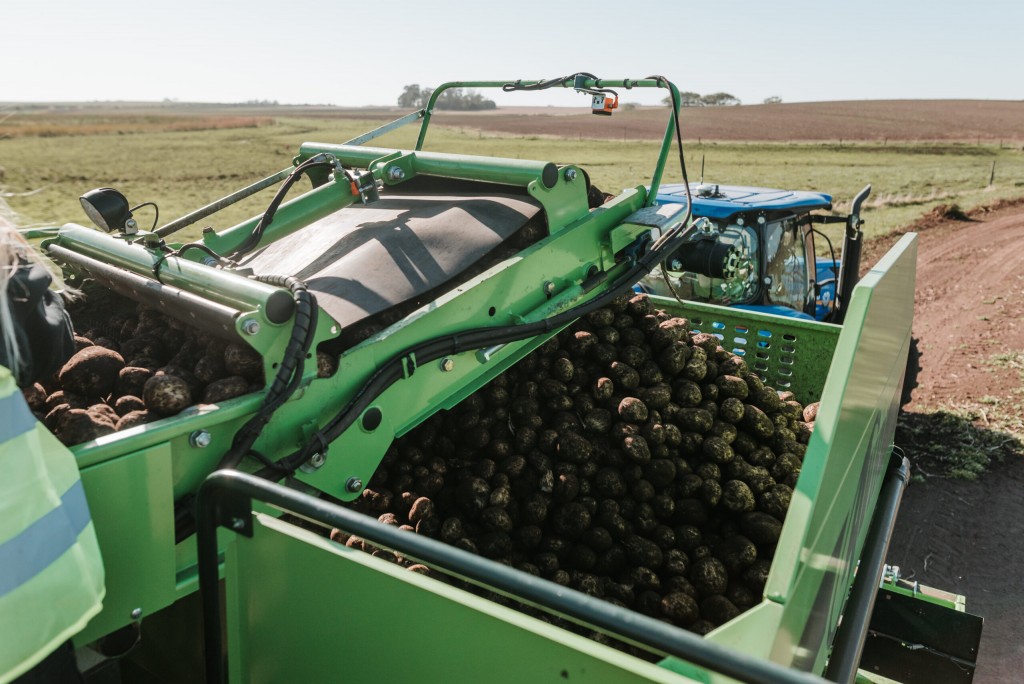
x,y
601,317
128,403
768,400
580,342
686,393
133,418
737,497
147,362
706,341
131,380
52,418
673,358
811,412
757,422
224,389
761,528
632,410
326,364
709,576
717,449
624,375
667,332
35,397
775,500
91,372
60,397
79,425
636,449
731,386
603,389
211,367
786,465
166,395
695,369
242,360
695,420
736,553
573,447
104,412
718,610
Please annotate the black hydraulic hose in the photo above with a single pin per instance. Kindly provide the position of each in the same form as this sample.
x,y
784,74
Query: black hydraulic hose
x,y
268,216
289,373
848,645
430,350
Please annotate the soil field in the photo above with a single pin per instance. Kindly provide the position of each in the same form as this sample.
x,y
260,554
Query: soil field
x,y
879,120
866,121
957,535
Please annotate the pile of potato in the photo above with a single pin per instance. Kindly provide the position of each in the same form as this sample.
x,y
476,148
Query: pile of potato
x,y
627,458
138,366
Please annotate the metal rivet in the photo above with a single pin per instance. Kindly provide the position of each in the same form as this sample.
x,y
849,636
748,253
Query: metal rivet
x,y
354,484
549,288
396,173
250,326
447,365
200,439
570,175
136,613
237,524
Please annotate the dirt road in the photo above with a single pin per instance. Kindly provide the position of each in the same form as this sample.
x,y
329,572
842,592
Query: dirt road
x,y
968,537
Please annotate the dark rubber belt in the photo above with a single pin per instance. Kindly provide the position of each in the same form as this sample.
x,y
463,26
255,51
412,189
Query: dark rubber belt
x,y
363,260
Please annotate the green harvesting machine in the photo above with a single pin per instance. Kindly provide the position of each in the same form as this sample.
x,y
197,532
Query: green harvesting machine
x,y
426,275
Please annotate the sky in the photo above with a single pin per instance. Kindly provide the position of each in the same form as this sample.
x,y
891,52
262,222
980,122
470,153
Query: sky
x,y
363,53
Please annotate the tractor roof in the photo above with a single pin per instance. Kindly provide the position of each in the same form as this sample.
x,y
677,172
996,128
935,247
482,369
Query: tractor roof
x,y
723,201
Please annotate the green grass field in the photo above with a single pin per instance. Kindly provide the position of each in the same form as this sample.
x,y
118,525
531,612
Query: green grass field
x,y
181,170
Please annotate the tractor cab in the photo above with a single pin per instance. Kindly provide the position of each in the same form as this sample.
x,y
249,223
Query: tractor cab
x,y
756,251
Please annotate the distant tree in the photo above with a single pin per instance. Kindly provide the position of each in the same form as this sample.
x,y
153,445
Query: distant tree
x,y
452,99
629,106
690,99
774,99
719,100
411,96
686,99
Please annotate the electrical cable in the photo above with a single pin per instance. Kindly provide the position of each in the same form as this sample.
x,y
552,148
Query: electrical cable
x,y
686,179
156,211
289,372
564,83
256,235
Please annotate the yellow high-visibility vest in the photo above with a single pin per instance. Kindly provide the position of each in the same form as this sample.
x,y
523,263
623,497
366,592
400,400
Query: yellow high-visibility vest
x,y
51,573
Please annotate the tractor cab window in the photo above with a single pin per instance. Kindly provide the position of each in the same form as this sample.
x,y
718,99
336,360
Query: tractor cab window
x,y
727,275
786,280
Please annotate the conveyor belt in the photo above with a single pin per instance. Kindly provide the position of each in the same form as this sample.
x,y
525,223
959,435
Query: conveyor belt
x,y
366,259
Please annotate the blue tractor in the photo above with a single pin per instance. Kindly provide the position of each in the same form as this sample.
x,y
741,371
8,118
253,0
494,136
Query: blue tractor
x,y
756,251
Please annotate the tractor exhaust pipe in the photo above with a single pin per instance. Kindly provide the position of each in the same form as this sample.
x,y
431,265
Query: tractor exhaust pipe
x,y
849,268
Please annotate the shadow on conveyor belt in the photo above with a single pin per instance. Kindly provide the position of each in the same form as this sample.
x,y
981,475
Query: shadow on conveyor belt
x,y
371,265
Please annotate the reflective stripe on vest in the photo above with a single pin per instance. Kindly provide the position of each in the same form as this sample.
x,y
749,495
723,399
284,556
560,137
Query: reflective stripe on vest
x,y
44,541
15,417
51,572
